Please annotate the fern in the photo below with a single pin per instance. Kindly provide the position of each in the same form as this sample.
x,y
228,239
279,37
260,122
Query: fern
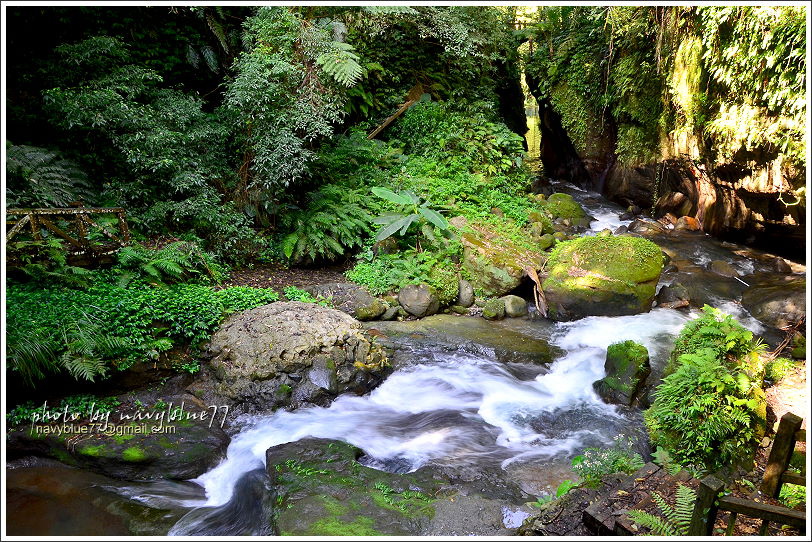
x,y
335,219
175,262
39,177
677,518
32,356
341,63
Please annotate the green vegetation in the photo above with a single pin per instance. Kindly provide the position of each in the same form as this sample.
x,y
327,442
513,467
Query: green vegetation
x,y
720,84
676,519
778,368
87,332
82,405
709,411
595,463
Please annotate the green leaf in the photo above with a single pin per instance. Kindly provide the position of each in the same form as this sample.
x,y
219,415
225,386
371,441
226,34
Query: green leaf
x,y
391,196
392,228
387,218
434,217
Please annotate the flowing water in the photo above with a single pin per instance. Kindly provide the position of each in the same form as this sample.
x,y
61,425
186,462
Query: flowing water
x,y
461,409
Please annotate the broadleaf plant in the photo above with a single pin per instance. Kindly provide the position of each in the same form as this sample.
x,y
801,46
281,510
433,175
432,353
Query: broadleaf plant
x,y
412,212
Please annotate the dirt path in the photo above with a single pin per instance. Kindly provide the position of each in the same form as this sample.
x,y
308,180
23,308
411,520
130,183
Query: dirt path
x,y
277,277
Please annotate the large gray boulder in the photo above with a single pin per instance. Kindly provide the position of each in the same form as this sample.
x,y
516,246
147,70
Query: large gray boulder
x,y
419,300
293,354
350,298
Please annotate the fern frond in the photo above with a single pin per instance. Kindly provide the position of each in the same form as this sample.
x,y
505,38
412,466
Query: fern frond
x,y
658,526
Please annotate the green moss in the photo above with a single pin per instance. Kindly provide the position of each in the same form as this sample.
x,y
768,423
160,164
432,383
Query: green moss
x,y
121,439
93,451
134,454
445,282
630,260
560,205
494,309
361,526
164,442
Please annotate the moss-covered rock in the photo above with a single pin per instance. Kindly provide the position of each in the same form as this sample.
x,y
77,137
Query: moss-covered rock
x,y
627,367
324,491
419,300
446,284
494,309
515,306
607,276
560,205
798,346
494,264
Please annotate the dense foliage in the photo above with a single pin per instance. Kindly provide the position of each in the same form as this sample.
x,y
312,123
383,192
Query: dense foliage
x,y
720,83
708,412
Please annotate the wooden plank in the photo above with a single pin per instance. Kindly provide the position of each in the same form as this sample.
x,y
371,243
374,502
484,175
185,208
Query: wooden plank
x,y
122,226
705,507
67,211
731,524
768,512
35,228
57,230
780,454
793,478
17,227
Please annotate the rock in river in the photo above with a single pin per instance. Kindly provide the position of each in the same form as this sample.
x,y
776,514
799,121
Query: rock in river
x,y
350,298
602,276
292,353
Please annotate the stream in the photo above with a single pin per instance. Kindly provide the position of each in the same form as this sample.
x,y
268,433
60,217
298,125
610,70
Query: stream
x,y
450,403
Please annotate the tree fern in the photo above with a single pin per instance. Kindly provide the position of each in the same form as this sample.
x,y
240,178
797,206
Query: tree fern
x,y
341,63
676,520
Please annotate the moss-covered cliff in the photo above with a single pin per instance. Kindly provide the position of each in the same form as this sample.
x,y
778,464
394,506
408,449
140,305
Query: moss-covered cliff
x,y
692,110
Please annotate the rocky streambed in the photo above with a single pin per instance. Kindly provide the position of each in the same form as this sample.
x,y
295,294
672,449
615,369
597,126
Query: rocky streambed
x,y
446,425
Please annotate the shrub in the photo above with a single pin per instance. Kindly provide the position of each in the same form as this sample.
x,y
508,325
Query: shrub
x,y
778,369
388,272
595,463
180,261
707,412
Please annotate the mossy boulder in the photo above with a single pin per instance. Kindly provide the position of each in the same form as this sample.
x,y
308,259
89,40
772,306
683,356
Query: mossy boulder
x,y
602,276
495,264
563,206
798,346
494,309
173,443
515,306
350,298
627,367
324,491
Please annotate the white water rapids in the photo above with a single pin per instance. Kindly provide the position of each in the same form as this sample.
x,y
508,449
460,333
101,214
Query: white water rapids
x,y
458,407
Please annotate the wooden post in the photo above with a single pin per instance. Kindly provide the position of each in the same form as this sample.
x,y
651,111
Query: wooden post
x,y
705,508
780,454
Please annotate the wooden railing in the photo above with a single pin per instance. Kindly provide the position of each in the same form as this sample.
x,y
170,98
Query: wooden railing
x,y
708,503
76,225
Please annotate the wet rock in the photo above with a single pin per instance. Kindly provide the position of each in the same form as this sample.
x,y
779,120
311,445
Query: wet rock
x,y
778,301
494,309
723,268
620,230
465,297
515,306
673,296
325,491
390,313
646,226
326,488
668,218
350,298
459,309
687,223
473,335
627,367
261,358
176,446
602,276
419,300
